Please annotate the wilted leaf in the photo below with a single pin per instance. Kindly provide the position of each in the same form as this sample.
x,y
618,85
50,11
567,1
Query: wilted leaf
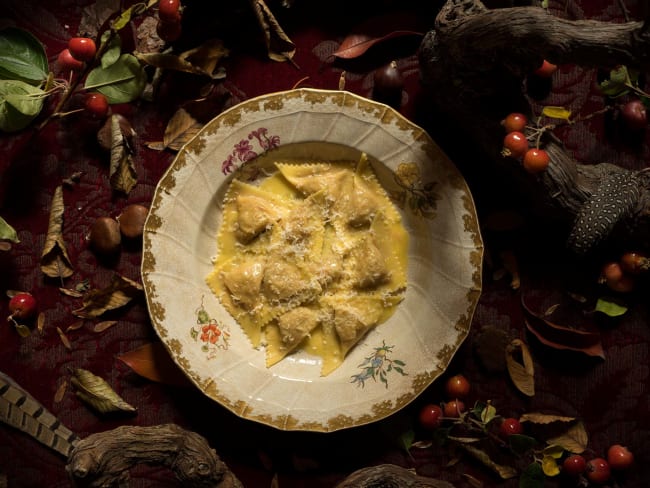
x,y
97,301
40,322
556,112
55,262
122,82
473,482
75,326
102,326
122,173
574,440
60,391
618,83
97,393
180,129
520,367
556,452
561,337
23,330
521,444
64,339
7,232
505,472
355,45
610,307
543,418
202,60
488,413
71,293
278,45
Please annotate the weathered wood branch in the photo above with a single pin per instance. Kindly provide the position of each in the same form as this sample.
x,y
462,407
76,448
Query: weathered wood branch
x,y
390,476
474,63
104,459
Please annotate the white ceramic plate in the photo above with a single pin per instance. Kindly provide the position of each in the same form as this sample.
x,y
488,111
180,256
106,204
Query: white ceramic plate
x,y
396,360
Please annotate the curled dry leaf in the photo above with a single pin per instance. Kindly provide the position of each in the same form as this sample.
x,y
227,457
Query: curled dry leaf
x,y
97,301
543,418
520,367
75,326
152,361
60,391
23,330
122,173
97,393
201,60
180,129
490,346
64,339
55,262
574,440
355,45
278,45
40,322
505,472
560,337
102,326
71,292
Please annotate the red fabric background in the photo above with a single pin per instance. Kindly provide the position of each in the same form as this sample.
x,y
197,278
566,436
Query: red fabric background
x,y
610,395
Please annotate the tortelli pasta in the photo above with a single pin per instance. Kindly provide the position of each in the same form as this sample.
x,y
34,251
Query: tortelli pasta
x,y
310,259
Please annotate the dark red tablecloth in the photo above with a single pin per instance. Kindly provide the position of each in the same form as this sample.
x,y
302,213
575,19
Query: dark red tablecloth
x,y
610,395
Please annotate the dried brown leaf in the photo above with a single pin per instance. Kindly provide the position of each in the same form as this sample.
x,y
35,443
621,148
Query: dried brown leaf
x,y
278,45
73,178
152,361
473,482
543,418
5,246
510,263
551,309
97,301
574,440
122,173
180,129
75,326
355,45
71,293
505,472
490,346
23,330
55,262
520,367
560,337
64,339
102,326
97,393
201,60
60,391
40,322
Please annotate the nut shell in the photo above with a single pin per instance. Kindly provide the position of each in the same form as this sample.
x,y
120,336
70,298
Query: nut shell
x,y
104,236
132,220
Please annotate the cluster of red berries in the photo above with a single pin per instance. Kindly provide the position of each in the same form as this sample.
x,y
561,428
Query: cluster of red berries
x,y
516,145
598,470
81,50
620,275
457,388
169,20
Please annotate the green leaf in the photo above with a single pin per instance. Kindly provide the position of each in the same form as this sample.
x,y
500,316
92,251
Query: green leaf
x,y
610,307
488,414
520,444
7,232
22,56
122,82
113,50
532,477
618,83
20,103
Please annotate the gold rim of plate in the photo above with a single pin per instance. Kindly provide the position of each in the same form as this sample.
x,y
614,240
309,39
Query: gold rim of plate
x,y
397,360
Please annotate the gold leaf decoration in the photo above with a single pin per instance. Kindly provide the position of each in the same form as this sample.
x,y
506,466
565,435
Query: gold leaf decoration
x,y
97,301
97,393
55,262
520,367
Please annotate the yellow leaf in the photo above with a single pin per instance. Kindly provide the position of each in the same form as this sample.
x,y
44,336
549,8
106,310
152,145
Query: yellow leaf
x,y
549,466
556,112
554,451
97,393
